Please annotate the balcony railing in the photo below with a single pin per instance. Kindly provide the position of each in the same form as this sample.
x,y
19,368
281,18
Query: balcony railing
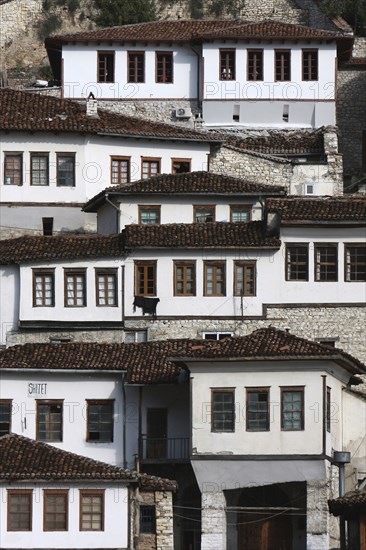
x,y
164,449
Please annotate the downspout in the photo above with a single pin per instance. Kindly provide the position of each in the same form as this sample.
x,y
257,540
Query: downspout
x,y
325,412
198,75
124,422
117,209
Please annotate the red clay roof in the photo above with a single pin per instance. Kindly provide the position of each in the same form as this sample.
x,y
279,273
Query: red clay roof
x,y
327,209
23,459
279,142
350,501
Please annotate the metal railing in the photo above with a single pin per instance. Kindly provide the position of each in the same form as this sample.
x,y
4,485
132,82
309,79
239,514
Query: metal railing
x,y
164,448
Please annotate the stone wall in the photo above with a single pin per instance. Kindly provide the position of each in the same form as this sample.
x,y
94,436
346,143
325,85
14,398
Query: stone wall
x,y
163,540
163,111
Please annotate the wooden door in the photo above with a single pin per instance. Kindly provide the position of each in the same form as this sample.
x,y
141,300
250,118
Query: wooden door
x,y
257,533
157,429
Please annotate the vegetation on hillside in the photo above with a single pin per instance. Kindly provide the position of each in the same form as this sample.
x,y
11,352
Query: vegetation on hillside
x,y
353,11
123,12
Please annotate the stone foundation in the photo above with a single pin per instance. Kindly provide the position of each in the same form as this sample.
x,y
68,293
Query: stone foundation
x,y
213,521
163,540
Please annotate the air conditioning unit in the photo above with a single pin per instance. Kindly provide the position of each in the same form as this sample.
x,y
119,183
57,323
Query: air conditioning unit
x,y
183,112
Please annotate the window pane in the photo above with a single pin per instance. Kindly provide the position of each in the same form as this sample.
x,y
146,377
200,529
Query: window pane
x,y
292,410
106,289
355,263
66,170
19,509
149,215
245,279
185,280
150,168
55,513
223,411
5,417
49,421
136,66
297,263
13,169
100,421
106,67
326,263
255,65
39,169
227,64
120,171
240,215
147,519
164,67
257,411
75,289
92,512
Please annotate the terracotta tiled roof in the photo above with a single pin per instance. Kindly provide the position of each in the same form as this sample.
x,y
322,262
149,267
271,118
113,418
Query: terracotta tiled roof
x,y
279,142
327,209
351,500
27,111
23,459
199,235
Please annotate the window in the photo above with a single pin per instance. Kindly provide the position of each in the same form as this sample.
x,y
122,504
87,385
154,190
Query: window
x,y
149,214
135,336
240,214
227,64
355,262
258,410
120,170
184,278
326,262
100,420
49,420
216,335
203,214
55,510
5,416
223,410
106,287
180,166
47,226
292,409
297,262
244,279
255,65
44,288
330,342
145,278
75,288
147,519
282,65
329,408
65,169
150,167
13,169
20,510
105,66
310,64
136,67
91,510
164,67
214,278
39,168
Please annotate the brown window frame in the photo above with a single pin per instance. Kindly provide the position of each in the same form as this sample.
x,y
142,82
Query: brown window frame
x,y
46,172
252,72
259,390
203,207
20,492
3,422
57,402
226,64
110,403
323,264
293,389
310,65
182,160
147,528
348,264
56,492
133,75
221,264
75,273
296,262
147,208
282,77
103,72
184,264
42,272
241,208
149,160
226,391
16,172
145,264
120,174
107,272
59,156
245,264
164,78
91,492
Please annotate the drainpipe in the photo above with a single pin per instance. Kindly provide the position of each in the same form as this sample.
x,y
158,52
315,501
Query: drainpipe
x,y
107,199
198,54
124,421
341,458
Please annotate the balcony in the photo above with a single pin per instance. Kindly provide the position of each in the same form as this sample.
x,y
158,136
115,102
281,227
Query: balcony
x,y
164,449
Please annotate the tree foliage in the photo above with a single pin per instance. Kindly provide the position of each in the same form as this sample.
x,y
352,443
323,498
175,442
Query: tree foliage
x,y
353,11
124,12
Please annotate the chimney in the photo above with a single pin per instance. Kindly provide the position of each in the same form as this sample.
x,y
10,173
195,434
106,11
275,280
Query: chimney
x,y
92,106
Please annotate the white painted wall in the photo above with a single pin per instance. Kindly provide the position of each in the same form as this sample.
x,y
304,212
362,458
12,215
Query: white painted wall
x,y
116,517
9,300
354,430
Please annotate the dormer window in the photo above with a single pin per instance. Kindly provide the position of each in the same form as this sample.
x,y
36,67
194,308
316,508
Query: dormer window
x,y
227,64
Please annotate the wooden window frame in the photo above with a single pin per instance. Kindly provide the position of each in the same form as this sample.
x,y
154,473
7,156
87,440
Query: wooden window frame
x,y
92,492
7,402
90,402
348,264
245,264
15,171
186,160
148,207
58,492
150,160
216,264
309,70
75,273
251,77
59,402
230,391
143,531
201,207
289,389
41,272
164,75
60,156
107,272
184,264
241,208
20,492
282,68
119,159
318,246
225,64
105,79
135,54
296,263
263,390
47,171
145,264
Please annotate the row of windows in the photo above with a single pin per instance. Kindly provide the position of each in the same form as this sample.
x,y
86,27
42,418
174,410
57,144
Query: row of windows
x,y
258,409
136,67
49,419
151,214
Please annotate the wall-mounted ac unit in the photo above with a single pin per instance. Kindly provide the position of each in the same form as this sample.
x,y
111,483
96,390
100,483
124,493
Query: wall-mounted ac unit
x,y
183,112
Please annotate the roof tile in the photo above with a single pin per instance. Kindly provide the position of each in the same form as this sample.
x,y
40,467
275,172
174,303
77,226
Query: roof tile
x,y
351,500
327,209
